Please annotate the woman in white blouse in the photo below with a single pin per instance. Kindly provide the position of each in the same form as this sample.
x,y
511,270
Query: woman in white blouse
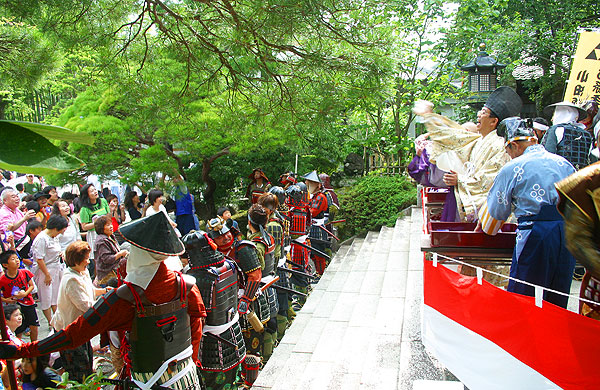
x,y
155,202
48,265
72,234
76,295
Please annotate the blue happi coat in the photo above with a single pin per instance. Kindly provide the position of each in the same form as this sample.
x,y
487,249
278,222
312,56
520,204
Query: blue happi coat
x,y
526,184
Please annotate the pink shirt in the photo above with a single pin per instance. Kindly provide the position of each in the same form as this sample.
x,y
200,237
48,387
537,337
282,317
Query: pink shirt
x,y
7,217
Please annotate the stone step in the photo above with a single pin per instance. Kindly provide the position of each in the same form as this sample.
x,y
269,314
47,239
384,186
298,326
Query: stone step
x,y
360,327
437,385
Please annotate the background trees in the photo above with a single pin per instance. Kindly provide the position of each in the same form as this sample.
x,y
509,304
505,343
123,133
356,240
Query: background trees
x,y
210,89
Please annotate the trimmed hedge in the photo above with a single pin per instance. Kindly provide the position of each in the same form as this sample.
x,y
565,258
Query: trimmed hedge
x,y
374,201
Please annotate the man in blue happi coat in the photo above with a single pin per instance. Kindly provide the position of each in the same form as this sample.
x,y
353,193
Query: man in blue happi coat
x,y
527,183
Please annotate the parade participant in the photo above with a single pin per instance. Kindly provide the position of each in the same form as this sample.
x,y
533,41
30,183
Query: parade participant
x,y
318,207
253,305
429,175
566,137
591,108
580,205
216,278
540,126
471,160
299,217
527,183
160,308
283,211
259,185
275,228
258,217
287,179
332,198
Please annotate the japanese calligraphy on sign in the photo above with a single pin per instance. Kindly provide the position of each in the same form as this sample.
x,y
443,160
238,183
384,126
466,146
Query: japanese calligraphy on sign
x,y
584,80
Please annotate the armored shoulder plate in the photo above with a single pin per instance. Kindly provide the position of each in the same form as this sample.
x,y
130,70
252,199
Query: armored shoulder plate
x,y
275,229
269,253
246,257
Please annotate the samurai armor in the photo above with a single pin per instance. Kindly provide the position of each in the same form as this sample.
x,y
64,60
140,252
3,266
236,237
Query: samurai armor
x,y
251,365
216,355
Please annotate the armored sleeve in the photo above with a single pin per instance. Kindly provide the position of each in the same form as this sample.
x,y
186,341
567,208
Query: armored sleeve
x,y
247,258
276,230
197,312
318,204
108,313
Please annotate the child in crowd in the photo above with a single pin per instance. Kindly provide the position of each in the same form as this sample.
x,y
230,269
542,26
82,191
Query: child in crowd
x,y
16,286
34,227
37,374
225,213
14,320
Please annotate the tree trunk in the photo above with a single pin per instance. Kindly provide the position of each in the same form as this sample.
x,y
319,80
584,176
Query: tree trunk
x,y
211,184
3,104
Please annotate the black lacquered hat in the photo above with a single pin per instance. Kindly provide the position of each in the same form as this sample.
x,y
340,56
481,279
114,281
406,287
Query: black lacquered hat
x,y
504,103
153,234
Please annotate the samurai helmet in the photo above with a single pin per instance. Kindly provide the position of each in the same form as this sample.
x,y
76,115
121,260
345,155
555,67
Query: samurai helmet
x,y
202,250
294,192
216,227
279,192
288,178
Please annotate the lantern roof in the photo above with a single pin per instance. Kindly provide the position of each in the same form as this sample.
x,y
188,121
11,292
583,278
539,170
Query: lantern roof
x,y
483,61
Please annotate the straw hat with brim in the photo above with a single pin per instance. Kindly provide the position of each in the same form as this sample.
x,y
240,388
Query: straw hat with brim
x,y
39,195
153,234
549,110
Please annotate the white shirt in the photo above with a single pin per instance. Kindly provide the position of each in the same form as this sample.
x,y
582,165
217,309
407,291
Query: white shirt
x,y
70,235
75,297
46,248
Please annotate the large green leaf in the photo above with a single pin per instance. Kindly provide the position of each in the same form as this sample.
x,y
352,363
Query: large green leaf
x,y
53,132
24,150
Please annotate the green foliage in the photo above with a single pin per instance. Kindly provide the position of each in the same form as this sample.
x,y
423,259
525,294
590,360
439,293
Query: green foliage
x,y
374,201
92,382
24,150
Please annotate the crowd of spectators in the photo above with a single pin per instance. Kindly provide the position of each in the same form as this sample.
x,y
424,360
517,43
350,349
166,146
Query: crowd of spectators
x,y
58,253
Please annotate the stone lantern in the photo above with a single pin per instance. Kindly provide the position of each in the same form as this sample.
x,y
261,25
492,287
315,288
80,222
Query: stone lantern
x,y
483,72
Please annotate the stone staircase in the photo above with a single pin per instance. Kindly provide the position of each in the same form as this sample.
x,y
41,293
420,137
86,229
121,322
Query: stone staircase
x,y
360,327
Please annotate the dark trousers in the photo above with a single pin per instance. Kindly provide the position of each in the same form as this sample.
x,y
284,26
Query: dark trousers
x,y
544,260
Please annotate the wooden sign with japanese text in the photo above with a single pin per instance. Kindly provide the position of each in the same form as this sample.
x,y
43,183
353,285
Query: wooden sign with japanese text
x,y
584,80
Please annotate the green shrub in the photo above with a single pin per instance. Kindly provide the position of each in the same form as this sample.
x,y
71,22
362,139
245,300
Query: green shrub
x,y
374,201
